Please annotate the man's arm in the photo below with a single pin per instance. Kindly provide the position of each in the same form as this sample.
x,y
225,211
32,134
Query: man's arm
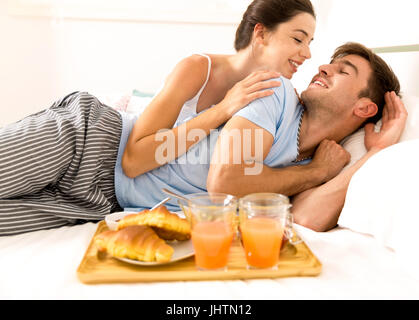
x,y
237,164
319,208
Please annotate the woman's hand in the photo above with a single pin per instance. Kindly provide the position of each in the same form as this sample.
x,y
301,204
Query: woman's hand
x,y
254,86
394,121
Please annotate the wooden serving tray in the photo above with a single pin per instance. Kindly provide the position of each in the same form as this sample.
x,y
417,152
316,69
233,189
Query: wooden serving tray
x,y
295,261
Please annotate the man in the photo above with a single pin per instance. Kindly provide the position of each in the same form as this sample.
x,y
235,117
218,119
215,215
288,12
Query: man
x,y
319,208
343,96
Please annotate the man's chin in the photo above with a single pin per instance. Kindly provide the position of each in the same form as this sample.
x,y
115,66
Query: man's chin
x,y
309,97
304,95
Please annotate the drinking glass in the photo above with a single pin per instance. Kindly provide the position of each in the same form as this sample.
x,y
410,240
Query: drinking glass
x,y
212,221
264,219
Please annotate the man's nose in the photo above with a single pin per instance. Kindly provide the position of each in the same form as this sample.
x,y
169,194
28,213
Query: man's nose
x,y
326,70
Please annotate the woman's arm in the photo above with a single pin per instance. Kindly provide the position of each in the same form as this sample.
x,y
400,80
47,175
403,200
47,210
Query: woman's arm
x,y
182,85
319,208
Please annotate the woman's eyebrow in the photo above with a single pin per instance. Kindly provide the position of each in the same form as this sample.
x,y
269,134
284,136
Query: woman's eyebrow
x,y
303,32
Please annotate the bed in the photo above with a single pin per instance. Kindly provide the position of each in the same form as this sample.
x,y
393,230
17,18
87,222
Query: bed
x,y
372,254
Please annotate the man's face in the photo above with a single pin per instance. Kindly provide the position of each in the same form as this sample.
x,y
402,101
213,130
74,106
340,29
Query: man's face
x,y
336,88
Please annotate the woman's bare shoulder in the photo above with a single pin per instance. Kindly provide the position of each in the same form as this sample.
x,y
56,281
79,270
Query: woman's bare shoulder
x,y
195,65
190,73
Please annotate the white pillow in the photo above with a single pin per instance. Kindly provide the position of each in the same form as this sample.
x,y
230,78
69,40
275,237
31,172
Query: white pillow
x,y
382,201
133,101
382,196
137,105
116,100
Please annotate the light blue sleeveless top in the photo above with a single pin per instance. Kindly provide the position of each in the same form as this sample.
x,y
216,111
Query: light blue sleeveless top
x,y
280,114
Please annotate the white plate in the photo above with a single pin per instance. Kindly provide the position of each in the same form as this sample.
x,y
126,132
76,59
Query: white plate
x,y
113,219
182,249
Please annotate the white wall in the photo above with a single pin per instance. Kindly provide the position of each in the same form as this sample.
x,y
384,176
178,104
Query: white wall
x,y
42,58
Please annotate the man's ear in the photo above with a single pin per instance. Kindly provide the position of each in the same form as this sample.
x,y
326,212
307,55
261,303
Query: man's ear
x,y
365,108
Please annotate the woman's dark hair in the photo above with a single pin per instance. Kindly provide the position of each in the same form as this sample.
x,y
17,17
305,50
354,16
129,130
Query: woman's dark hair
x,y
270,13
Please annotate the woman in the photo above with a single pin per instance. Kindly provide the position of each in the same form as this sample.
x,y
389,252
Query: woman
x,y
274,35
77,145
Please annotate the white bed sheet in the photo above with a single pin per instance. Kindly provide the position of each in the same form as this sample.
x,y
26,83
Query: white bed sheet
x,y
43,264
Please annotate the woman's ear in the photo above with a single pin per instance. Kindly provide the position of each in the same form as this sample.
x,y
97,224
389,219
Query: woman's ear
x,y
365,108
259,33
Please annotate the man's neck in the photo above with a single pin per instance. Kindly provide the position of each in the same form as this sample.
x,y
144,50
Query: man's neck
x,y
315,129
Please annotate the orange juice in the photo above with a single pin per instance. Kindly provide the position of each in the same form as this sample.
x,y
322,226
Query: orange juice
x,y
211,241
262,239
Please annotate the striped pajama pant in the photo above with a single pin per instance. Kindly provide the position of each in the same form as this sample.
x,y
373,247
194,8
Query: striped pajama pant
x,y
57,166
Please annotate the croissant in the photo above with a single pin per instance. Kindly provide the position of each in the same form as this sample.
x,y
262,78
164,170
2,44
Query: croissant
x,y
134,242
169,226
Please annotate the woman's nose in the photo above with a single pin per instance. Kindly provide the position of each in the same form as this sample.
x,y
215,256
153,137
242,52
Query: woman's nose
x,y
306,52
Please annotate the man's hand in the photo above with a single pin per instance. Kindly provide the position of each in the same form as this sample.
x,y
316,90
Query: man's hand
x,y
332,157
394,121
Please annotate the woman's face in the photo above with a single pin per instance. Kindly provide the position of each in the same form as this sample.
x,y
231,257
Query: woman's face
x,y
288,45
